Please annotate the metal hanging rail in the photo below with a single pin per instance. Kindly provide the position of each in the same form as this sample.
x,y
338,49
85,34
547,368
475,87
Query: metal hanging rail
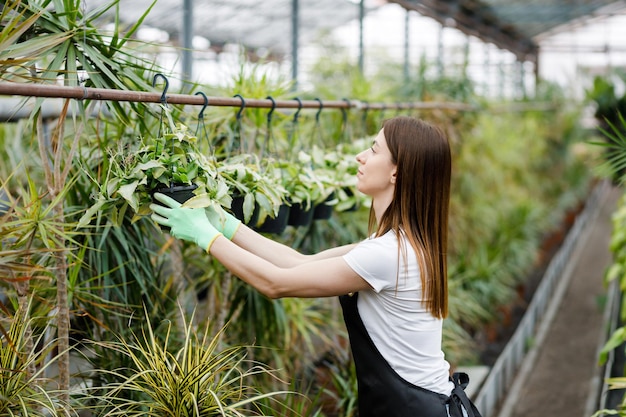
x,y
87,93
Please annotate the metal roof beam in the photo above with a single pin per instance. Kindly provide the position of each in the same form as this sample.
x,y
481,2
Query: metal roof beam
x,y
472,17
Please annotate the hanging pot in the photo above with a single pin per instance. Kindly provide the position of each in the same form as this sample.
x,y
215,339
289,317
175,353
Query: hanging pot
x,y
178,192
236,208
299,215
323,210
350,193
275,225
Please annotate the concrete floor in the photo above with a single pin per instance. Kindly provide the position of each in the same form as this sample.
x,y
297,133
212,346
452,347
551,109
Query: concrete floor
x,y
564,366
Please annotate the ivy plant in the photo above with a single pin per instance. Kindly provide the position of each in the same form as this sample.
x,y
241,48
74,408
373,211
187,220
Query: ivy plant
x,y
160,161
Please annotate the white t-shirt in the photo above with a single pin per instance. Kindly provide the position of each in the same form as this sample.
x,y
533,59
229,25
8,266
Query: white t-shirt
x,y
404,331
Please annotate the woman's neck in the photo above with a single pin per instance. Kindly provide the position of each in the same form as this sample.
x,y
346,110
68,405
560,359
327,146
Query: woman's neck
x,y
380,206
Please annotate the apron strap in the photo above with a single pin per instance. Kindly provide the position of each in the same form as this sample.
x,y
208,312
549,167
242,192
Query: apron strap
x,y
458,399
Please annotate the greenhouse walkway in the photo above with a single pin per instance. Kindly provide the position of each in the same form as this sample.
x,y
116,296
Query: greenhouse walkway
x,y
561,374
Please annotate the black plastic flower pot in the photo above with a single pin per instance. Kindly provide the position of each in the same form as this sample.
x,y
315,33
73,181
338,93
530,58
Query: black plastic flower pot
x,y
180,193
236,207
299,215
350,193
323,210
276,225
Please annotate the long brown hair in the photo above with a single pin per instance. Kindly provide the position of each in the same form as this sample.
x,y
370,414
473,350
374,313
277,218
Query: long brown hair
x,y
421,199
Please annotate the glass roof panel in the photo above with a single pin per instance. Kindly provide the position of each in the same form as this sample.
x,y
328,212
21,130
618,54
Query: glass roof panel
x,y
510,24
252,23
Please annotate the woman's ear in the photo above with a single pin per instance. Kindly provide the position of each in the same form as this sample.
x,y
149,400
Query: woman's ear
x,y
394,175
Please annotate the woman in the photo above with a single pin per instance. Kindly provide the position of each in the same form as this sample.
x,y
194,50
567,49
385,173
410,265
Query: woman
x,y
392,286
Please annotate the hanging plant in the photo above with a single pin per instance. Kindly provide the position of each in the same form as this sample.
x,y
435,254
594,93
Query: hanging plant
x,y
256,191
166,163
337,170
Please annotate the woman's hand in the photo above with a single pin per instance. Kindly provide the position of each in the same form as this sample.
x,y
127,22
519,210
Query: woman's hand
x,y
190,224
223,221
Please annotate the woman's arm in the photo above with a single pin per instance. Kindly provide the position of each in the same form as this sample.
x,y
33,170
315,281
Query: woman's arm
x,y
277,253
323,276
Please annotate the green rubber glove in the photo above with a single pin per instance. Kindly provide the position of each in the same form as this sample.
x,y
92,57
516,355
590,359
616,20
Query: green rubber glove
x,y
190,224
223,221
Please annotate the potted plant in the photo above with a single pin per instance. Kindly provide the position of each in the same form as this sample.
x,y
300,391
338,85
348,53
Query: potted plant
x,y
303,187
169,163
258,195
337,171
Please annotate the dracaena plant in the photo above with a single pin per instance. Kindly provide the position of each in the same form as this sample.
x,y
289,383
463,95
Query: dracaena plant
x,y
160,161
188,375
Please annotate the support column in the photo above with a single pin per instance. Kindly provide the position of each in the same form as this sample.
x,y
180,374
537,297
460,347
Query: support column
x,y
406,46
440,51
187,40
361,46
295,23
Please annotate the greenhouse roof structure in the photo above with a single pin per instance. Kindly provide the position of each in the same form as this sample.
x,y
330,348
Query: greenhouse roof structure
x,y
513,25
510,24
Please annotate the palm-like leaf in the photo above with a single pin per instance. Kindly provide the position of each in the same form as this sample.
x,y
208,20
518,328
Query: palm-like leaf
x,y
615,164
46,39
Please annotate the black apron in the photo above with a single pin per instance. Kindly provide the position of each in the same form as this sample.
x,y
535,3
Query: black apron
x,y
384,393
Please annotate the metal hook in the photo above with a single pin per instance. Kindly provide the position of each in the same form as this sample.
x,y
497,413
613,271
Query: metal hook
x,y
243,105
206,104
297,113
167,85
317,115
269,115
344,111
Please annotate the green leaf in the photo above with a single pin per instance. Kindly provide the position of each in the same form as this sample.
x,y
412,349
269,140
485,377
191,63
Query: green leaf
x,y
91,211
127,191
248,206
616,339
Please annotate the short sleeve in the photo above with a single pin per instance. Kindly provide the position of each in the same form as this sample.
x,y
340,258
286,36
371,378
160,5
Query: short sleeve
x,y
376,261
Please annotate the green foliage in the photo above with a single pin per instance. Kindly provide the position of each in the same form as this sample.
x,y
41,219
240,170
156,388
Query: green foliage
x,y
614,163
57,38
188,377
172,158
609,105
616,272
24,390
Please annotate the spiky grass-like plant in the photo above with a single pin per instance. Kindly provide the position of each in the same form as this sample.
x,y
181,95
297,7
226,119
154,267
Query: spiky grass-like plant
x,y
179,378
23,364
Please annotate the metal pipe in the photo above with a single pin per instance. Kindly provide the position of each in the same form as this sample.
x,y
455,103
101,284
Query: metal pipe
x,y
85,93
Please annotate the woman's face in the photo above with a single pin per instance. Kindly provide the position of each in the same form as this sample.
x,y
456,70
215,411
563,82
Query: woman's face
x,y
376,176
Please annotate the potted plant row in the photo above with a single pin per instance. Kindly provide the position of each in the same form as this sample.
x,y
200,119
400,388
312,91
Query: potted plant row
x,y
266,194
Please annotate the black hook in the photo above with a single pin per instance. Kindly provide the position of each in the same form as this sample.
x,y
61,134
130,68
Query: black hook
x,y
297,113
243,105
317,115
206,103
344,111
269,115
167,85
364,117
